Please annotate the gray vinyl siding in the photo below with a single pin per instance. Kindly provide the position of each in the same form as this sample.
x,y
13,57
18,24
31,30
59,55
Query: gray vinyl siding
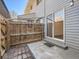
x,y
3,9
72,25
53,6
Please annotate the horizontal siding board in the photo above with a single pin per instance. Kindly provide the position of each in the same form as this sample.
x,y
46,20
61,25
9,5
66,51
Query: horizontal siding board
x,y
72,20
70,23
71,16
77,30
75,14
76,26
67,22
72,31
74,35
72,27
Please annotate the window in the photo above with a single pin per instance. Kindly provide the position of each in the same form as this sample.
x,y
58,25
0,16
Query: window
x,y
58,24
31,7
38,1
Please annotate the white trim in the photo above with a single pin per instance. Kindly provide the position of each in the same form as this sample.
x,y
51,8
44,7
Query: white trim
x,y
53,23
45,28
59,39
64,38
55,41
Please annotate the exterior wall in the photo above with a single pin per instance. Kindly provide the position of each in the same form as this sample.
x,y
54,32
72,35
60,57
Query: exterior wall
x,y
71,21
54,5
30,6
34,5
3,9
72,25
39,10
4,14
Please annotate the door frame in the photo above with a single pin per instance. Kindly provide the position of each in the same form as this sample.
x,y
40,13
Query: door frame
x,y
56,40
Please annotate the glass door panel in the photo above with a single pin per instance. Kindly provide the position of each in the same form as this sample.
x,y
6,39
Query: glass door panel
x,y
58,24
50,25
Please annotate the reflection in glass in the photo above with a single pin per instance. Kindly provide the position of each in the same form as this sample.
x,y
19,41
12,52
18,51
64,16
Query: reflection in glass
x,y
58,24
40,20
50,25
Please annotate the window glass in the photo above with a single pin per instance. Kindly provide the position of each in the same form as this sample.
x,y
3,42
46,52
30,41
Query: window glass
x,y
38,1
58,24
50,25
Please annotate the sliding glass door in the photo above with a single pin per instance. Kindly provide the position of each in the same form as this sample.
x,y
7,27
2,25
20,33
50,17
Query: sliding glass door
x,y
55,25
